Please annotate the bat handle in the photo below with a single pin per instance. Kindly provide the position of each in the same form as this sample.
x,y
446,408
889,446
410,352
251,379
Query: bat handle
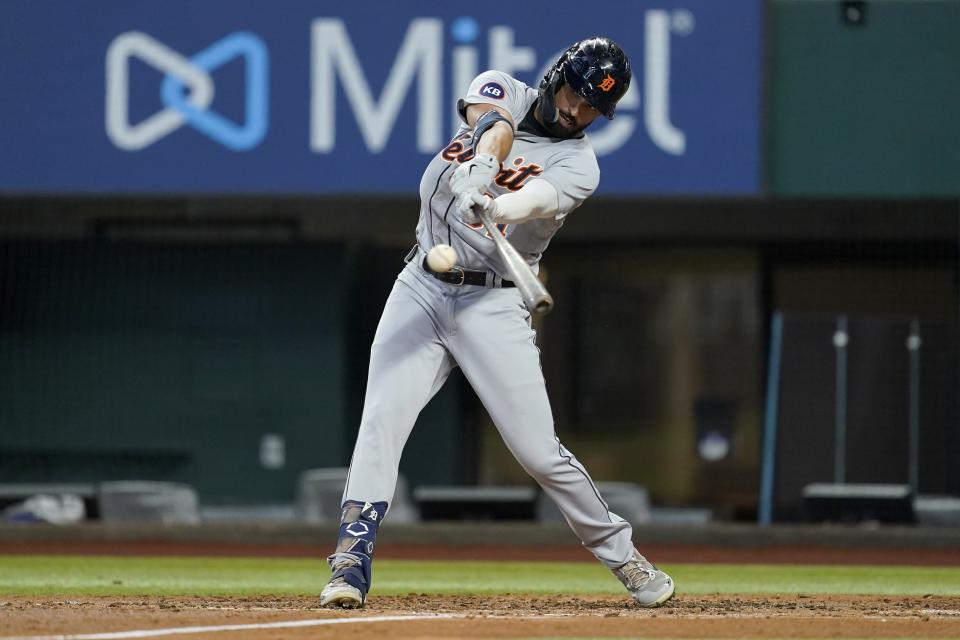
x,y
541,304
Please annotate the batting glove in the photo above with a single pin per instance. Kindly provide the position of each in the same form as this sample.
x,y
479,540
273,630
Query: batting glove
x,y
475,174
471,203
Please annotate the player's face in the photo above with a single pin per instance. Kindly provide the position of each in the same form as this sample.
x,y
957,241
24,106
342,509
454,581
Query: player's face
x,y
576,114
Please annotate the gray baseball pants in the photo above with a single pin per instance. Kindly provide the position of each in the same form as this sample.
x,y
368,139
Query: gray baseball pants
x,y
427,328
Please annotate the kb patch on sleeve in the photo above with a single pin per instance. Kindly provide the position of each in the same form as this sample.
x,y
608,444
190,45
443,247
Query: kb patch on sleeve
x,y
493,90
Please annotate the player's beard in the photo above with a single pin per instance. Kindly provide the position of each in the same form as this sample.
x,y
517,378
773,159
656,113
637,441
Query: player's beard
x,y
559,128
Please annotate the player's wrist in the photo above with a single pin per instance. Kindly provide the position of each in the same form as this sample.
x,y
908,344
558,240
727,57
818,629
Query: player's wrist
x,y
488,161
475,174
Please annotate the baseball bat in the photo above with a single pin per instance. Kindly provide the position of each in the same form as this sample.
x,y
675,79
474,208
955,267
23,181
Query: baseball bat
x,y
535,295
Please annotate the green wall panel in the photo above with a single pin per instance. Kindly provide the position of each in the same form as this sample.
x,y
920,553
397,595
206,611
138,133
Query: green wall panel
x,y
869,109
125,360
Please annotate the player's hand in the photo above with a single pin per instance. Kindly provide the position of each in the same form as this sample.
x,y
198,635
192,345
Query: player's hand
x,y
471,203
475,174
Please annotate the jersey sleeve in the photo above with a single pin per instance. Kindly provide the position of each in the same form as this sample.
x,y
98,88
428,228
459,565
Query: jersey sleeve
x,y
499,89
575,176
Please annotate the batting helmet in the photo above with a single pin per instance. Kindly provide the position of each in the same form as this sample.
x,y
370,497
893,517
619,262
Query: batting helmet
x,y
596,69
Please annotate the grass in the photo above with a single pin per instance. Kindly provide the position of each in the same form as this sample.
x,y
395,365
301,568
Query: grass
x,y
184,576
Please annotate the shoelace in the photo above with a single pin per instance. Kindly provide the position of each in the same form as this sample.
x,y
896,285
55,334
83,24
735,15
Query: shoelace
x,y
341,565
636,574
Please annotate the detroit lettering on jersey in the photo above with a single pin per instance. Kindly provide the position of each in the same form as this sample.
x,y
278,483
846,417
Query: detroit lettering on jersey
x,y
568,164
510,177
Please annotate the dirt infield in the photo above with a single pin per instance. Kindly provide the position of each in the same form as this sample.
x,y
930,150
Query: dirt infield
x,y
495,617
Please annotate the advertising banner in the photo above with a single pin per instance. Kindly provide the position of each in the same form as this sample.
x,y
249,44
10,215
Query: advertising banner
x,y
219,97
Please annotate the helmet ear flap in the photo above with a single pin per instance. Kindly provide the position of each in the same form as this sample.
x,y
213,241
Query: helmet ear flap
x,y
548,89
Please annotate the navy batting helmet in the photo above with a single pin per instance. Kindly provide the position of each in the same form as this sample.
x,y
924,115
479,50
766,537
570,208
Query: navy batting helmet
x,y
596,69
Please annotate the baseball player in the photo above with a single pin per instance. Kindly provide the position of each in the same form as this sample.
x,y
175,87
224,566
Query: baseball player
x,y
520,155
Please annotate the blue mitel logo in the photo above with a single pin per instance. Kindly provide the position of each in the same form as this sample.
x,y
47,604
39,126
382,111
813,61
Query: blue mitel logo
x,y
187,91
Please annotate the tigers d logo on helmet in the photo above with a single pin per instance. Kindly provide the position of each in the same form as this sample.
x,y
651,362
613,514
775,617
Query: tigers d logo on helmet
x,y
596,69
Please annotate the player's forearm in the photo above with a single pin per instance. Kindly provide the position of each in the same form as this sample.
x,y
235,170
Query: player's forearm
x,y
537,199
497,141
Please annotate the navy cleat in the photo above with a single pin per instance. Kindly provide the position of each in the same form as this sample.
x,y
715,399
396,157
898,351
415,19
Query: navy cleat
x,y
339,592
353,559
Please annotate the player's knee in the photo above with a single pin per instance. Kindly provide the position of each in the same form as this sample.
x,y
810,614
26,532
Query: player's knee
x,y
542,468
376,430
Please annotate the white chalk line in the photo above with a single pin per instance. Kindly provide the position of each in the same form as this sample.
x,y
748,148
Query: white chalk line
x,y
172,631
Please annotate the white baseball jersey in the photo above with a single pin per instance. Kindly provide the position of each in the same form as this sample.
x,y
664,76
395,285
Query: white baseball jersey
x,y
569,164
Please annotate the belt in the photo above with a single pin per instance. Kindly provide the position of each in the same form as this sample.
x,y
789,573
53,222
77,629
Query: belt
x,y
459,277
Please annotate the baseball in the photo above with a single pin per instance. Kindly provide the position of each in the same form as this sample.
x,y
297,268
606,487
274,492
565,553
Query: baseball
x,y
442,258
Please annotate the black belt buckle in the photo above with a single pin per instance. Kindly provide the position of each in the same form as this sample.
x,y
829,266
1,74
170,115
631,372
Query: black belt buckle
x,y
447,276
